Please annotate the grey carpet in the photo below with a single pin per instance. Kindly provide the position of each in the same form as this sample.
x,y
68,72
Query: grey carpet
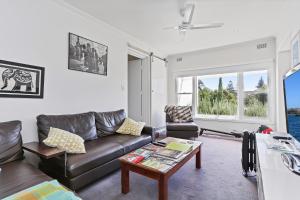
x,y
220,178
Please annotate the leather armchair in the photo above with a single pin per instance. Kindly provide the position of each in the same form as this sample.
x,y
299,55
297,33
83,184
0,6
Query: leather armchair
x,y
185,130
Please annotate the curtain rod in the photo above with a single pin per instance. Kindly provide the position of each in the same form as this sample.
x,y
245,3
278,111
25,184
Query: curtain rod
x,y
146,52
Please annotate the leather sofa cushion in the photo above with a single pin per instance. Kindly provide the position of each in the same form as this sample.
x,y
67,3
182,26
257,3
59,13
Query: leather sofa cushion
x,y
99,152
81,124
17,176
188,126
130,142
107,123
10,142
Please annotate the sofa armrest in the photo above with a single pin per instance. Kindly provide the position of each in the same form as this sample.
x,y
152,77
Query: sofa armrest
x,y
148,130
42,150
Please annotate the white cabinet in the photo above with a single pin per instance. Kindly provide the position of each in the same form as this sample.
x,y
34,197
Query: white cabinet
x,y
275,181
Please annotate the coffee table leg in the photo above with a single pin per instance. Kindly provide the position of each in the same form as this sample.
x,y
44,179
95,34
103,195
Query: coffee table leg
x,y
163,188
198,158
124,178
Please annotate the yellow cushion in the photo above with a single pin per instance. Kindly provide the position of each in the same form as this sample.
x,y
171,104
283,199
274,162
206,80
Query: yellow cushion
x,y
65,140
131,127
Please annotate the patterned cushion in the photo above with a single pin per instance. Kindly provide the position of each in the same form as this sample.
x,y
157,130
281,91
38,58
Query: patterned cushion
x,y
131,127
65,140
179,113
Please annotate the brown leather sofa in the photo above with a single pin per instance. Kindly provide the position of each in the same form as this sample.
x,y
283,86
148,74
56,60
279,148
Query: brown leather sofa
x,y
103,145
16,174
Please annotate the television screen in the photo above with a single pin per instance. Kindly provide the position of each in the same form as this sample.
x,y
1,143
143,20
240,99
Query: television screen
x,y
292,103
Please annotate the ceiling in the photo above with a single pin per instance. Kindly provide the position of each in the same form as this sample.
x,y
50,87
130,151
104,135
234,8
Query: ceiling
x,y
244,20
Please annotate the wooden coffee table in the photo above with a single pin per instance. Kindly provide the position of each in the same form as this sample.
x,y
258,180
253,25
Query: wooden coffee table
x,y
161,177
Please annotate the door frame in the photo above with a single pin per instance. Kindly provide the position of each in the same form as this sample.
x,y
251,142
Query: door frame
x,y
142,55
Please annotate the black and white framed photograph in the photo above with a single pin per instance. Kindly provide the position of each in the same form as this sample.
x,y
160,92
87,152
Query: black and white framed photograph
x,y
295,50
87,56
21,80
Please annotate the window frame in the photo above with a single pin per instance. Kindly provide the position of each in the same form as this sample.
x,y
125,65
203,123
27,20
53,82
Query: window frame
x,y
267,65
248,118
184,93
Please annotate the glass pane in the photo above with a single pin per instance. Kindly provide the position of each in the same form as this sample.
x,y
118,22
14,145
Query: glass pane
x,y
256,93
185,85
185,99
217,94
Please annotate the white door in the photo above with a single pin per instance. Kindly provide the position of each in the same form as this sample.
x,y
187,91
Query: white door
x,y
139,90
159,92
135,90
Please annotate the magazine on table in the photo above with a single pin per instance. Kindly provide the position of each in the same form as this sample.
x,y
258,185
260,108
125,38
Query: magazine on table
x,y
175,160
152,147
178,146
169,153
191,143
137,156
157,163
143,152
164,160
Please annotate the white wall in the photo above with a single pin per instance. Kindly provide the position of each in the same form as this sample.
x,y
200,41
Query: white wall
x,y
36,32
283,66
216,60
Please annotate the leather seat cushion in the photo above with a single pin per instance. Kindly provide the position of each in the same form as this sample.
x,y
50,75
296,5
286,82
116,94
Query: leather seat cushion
x,y
108,123
10,142
189,126
130,142
19,175
99,152
82,124
182,134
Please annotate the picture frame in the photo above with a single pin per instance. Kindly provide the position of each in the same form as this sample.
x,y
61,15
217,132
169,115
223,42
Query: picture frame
x,y
21,80
86,55
295,50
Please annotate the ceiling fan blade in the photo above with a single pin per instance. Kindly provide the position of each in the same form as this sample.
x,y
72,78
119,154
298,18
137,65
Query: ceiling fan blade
x,y
204,26
188,13
171,28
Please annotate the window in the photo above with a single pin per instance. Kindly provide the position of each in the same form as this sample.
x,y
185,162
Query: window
x,y
217,95
185,91
241,95
256,93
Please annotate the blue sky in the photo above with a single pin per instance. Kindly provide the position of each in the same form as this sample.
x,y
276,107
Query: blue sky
x,y
212,82
250,80
292,84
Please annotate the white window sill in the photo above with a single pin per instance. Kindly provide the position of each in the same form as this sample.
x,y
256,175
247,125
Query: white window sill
x,y
234,120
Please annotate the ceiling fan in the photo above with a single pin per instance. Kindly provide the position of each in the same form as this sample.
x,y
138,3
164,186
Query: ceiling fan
x,y
187,13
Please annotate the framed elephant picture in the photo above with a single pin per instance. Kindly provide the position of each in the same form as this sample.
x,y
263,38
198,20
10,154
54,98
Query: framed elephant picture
x,y
21,80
